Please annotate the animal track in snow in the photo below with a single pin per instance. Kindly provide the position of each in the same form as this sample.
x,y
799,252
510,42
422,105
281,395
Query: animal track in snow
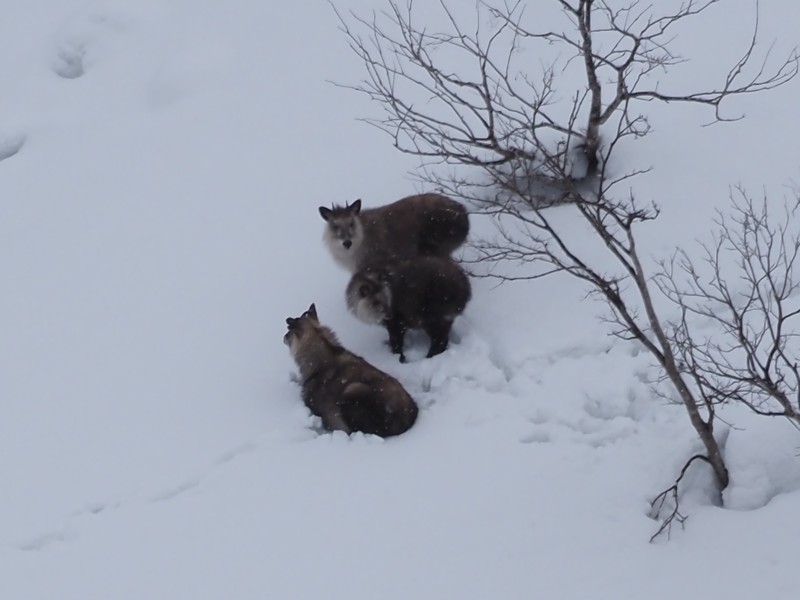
x,y
595,419
95,508
191,483
79,40
579,352
69,61
177,490
43,541
10,144
234,452
68,531
581,428
536,437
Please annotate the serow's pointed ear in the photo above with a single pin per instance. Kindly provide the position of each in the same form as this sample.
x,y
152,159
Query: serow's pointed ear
x,y
355,207
312,312
325,213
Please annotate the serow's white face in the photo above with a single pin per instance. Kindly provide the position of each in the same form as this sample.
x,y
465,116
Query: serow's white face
x,y
345,231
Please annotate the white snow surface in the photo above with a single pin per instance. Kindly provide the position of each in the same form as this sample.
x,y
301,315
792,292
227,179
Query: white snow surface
x,y
161,165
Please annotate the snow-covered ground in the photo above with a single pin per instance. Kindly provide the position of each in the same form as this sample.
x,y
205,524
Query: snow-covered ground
x,y
161,163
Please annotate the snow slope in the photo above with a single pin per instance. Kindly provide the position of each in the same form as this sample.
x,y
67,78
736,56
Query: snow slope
x,y
161,163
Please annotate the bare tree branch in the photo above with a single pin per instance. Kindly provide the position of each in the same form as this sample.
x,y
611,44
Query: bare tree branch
x,y
747,291
507,134
673,514
499,116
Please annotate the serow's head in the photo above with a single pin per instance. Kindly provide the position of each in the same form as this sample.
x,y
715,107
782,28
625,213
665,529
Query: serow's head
x,y
369,298
299,328
344,226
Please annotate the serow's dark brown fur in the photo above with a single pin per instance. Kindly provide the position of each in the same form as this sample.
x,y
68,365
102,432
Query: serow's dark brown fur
x,y
425,224
426,293
343,389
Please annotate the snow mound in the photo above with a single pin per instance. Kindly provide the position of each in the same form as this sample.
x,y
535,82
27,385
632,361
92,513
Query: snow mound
x,y
764,462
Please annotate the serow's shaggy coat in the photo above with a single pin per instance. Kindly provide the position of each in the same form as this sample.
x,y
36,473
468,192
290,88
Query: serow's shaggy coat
x,y
425,224
343,389
425,293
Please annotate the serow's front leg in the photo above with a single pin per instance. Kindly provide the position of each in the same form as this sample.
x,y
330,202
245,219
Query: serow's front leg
x,y
397,334
439,332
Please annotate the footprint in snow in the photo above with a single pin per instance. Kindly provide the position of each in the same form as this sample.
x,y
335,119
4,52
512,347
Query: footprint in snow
x,y
176,490
43,541
10,144
537,437
80,40
69,61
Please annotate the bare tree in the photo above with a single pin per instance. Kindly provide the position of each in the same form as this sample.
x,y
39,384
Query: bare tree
x,y
746,292
507,115
512,135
